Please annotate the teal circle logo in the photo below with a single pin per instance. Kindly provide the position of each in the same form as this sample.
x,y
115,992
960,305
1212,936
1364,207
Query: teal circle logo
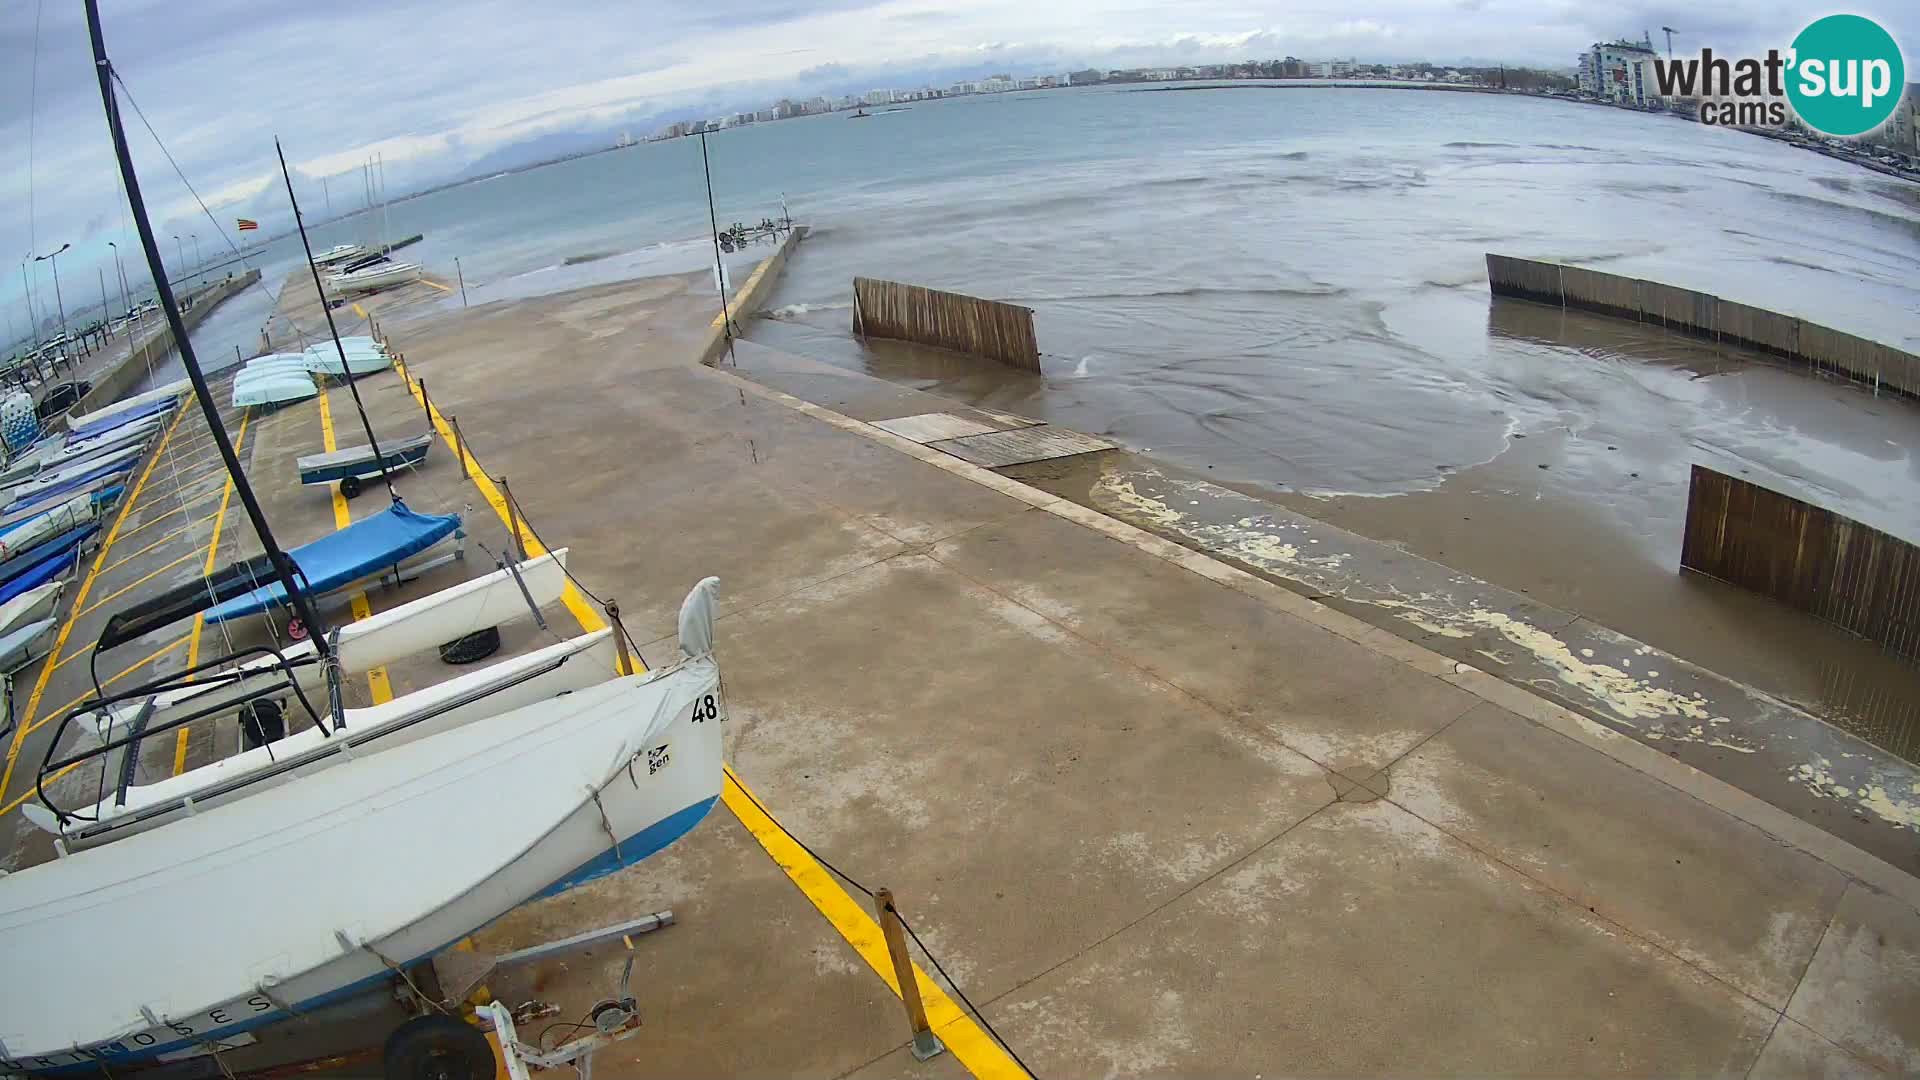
x,y
1845,76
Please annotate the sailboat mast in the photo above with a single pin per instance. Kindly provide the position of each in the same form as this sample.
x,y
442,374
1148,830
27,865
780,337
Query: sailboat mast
x,y
282,564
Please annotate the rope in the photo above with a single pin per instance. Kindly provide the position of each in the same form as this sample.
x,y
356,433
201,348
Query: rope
x,y
935,960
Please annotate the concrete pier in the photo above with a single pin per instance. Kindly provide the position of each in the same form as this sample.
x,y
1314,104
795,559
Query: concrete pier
x,y
1154,815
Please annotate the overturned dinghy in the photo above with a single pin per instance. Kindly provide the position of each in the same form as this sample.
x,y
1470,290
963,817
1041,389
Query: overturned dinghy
x,y
600,779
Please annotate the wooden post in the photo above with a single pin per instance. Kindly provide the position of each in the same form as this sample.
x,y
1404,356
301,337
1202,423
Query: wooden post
x,y
925,1043
513,517
463,280
425,401
459,444
619,636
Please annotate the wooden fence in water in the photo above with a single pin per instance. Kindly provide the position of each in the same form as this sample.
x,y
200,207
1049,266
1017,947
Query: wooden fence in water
x,y
1829,566
967,324
1705,315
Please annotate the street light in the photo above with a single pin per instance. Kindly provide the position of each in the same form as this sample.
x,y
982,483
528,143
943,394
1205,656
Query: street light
x,y
180,249
55,257
195,237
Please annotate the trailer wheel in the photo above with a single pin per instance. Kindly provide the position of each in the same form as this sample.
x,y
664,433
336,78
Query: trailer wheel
x,y
437,1047
349,486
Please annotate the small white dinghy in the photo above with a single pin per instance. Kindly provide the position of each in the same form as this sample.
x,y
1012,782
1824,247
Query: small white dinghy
x,y
274,388
30,606
378,276
316,890
23,646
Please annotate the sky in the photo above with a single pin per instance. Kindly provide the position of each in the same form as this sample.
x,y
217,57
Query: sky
x,y
433,87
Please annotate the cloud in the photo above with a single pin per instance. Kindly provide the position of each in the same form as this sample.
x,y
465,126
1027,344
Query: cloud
x,y
434,88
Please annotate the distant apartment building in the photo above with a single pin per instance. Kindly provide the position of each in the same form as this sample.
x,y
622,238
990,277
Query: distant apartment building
x,y
1341,69
879,97
1620,71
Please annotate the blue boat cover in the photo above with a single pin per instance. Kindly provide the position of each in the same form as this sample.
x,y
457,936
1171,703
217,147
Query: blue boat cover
x,y
126,416
70,486
340,558
47,569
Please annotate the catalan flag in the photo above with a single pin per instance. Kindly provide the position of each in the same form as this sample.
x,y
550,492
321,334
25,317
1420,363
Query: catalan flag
x,y
246,224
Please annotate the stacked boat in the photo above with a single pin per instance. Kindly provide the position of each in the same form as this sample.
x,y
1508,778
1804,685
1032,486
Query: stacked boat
x,y
284,378
373,278
299,879
52,494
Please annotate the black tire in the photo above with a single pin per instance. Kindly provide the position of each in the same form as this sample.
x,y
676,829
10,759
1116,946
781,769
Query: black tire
x,y
261,722
473,647
437,1047
349,486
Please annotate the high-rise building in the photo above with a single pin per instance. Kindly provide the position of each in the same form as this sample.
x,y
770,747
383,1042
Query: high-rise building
x,y
1620,71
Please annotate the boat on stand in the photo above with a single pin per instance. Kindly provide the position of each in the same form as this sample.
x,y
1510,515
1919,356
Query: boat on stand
x,y
318,871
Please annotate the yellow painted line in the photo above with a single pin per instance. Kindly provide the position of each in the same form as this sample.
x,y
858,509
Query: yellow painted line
x,y
968,1041
200,617
86,586
377,683
124,558
434,284
136,583
65,769
195,501
358,310
576,602
72,656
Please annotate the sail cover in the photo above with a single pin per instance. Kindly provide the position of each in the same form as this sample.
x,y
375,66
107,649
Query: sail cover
x,y
337,559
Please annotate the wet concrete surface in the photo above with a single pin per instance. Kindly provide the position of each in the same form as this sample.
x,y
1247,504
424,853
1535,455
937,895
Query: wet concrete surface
x,y
1556,466
1152,822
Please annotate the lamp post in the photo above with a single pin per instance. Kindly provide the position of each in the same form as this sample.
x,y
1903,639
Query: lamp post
x,y
180,250
106,313
195,237
54,257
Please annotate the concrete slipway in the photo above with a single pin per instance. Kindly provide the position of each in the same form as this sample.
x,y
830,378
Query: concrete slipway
x,y
1155,814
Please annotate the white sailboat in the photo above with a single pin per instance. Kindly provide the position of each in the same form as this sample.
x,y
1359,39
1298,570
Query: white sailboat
x,y
338,253
374,864
381,638
378,276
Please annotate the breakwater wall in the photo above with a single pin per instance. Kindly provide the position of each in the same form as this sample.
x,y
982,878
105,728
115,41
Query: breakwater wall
x,y
967,324
1705,315
150,350
1831,567
751,296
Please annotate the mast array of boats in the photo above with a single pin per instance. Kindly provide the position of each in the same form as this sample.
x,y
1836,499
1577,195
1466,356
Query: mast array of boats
x,y
339,848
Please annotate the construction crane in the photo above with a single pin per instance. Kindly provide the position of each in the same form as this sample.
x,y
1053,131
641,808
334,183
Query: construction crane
x,y
1668,30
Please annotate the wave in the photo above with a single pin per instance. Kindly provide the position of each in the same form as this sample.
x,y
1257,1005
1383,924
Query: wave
x,y
1297,155
1313,291
1479,146
591,256
795,311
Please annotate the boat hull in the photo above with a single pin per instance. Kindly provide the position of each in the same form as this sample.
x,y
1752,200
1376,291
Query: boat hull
x,y
662,782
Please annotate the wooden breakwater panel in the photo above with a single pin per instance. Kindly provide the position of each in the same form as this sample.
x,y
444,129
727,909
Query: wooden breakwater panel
x,y
968,324
1705,315
1832,567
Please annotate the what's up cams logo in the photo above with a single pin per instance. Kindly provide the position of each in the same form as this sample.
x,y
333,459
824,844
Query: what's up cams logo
x,y
1842,76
